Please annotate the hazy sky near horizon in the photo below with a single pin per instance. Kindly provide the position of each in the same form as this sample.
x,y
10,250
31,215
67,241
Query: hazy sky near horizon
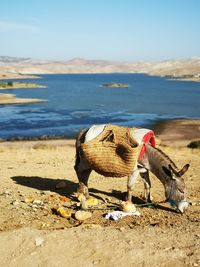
x,y
124,30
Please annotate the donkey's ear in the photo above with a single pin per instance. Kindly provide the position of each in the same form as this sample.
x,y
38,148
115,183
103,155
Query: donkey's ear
x,y
167,171
184,169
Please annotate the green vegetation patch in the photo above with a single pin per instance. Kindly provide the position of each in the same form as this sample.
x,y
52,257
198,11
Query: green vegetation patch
x,y
115,85
194,144
6,84
16,85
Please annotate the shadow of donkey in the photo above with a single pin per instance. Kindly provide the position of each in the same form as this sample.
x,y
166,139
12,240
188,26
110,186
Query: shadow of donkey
x,y
47,184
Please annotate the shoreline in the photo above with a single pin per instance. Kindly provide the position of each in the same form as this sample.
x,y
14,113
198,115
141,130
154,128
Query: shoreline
x,y
174,77
7,99
168,132
7,76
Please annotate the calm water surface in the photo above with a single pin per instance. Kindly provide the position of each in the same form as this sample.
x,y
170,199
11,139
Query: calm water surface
x,y
76,101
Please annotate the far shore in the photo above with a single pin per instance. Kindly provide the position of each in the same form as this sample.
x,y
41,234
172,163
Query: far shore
x,y
8,75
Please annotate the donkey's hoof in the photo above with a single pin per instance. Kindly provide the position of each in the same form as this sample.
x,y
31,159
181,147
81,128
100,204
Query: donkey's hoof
x,y
81,196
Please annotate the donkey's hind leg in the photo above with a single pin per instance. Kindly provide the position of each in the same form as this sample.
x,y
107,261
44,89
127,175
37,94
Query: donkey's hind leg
x,y
147,185
83,171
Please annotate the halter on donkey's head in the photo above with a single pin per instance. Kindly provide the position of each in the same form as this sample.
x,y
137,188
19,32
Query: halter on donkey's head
x,y
176,194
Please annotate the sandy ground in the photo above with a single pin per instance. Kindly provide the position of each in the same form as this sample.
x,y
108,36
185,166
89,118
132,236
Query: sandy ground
x,y
31,234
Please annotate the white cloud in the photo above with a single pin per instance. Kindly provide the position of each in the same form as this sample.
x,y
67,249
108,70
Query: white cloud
x,y
6,26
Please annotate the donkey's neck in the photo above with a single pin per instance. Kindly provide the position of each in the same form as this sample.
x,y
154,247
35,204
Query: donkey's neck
x,y
154,160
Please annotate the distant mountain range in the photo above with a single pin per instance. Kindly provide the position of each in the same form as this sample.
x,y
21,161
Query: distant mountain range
x,y
22,66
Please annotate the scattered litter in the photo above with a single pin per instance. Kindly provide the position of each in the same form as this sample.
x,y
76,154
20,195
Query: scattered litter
x,y
116,215
63,212
91,201
64,199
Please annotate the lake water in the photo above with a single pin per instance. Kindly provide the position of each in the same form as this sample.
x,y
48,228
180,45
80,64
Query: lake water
x,y
76,101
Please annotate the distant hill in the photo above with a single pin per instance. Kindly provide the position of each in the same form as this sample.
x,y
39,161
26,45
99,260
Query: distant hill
x,y
14,65
6,59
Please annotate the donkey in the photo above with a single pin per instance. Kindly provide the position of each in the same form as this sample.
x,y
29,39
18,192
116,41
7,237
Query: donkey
x,y
154,160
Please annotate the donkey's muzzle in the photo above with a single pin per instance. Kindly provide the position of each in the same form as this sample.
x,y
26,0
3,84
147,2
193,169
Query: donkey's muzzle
x,y
182,205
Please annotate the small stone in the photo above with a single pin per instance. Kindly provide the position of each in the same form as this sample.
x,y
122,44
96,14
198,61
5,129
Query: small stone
x,y
38,202
95,262
34,209
39,192
83,215
15,203
122,229
39,241
8,192
28,200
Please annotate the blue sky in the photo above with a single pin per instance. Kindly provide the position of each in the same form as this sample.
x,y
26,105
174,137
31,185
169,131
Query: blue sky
x,y
125,30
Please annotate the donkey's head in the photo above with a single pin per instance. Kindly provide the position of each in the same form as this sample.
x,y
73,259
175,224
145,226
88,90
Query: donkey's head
x,y
175,188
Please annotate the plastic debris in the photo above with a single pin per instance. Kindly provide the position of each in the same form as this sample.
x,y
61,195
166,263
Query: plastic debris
x,y
91,201
64,199
116,215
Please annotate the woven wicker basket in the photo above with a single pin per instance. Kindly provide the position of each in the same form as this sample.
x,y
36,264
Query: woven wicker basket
x,y
112,153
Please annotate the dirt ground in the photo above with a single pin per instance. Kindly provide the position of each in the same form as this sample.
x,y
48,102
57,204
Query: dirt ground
x,y
33,234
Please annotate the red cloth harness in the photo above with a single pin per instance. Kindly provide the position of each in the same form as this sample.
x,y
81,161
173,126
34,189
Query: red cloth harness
x,y
148,138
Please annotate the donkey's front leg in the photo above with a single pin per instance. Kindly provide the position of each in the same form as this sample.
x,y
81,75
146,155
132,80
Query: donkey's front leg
x,y
147,186
83,183
130,183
